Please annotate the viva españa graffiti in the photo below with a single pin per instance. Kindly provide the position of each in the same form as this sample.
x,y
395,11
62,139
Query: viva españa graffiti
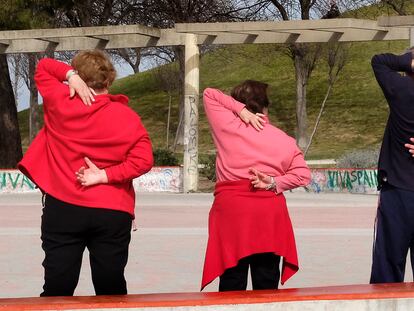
x,y
349,179
14,180
344,180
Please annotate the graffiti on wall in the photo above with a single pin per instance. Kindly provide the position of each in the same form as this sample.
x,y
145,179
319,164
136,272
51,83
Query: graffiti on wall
x,y
158,179
169,179
192,136
14,181
344,180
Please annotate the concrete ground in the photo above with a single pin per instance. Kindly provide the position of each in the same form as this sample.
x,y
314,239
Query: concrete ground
x,y
333,234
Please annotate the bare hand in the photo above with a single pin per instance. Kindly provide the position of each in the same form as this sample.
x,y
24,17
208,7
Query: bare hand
x,y
78,86
256,120
92,175
259,180
410,147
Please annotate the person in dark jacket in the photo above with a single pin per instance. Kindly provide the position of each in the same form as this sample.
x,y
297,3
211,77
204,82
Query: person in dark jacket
x,y
395,216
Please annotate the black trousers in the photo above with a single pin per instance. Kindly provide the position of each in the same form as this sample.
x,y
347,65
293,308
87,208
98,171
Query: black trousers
x,y
66,230
264,271
394,235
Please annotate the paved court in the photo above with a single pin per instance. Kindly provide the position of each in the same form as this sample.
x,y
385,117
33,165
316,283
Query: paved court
x,y
333,234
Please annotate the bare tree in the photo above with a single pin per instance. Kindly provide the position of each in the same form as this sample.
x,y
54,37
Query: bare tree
x,y
14,15
15,62
131,56
100,13
336,56
399,6
304,56
10,141
165,75
155,13
24,66
34,122
165,13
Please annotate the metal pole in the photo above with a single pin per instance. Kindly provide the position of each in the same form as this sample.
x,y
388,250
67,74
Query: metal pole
x,y
191,94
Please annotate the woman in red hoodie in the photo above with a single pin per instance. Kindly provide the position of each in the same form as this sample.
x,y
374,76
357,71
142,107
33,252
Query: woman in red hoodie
x,y
76,214
249,224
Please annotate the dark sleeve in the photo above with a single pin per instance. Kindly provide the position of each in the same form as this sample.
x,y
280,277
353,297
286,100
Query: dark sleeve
x,y
387,69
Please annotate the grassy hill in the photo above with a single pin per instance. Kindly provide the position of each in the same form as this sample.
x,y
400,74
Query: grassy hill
x,y
354,116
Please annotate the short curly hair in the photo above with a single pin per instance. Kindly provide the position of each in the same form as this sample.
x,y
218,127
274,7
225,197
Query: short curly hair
x,y
95,68
253,94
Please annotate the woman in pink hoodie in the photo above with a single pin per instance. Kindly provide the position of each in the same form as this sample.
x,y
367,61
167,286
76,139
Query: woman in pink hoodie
x,y
249,223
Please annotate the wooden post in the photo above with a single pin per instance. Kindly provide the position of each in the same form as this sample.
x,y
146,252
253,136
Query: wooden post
x,y
191,94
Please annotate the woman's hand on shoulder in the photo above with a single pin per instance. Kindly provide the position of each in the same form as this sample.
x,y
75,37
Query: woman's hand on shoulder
x,y
256,120
92,175
78,86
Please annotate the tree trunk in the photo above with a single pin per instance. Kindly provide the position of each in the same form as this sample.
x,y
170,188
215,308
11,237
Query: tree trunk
x,y
304,57
168,118
16,77
34,107
301,113
10,141
318,119
134,63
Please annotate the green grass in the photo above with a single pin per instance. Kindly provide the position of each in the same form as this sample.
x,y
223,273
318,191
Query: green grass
x,y
354,117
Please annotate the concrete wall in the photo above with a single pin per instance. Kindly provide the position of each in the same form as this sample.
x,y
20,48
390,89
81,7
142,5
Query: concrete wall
x,y
169,179
161,179
344,180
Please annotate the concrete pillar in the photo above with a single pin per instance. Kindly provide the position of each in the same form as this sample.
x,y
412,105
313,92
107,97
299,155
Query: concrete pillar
x,y
411,37
191,95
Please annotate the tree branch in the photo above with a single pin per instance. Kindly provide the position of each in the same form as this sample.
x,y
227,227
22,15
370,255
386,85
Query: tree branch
x,y
281,9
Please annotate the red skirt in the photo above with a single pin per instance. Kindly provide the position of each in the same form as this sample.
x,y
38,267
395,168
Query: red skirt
x,y
244,221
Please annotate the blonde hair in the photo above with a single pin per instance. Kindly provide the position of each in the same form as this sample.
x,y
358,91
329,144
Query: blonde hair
x,y
95,68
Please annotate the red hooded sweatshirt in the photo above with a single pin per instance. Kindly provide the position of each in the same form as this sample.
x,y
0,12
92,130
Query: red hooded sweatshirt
x,y
108,132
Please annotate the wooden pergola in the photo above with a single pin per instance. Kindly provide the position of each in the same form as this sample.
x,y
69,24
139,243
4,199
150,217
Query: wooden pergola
x,y
194,34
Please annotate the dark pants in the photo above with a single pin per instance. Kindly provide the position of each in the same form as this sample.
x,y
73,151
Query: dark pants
x,y
394,235
264,271
66,230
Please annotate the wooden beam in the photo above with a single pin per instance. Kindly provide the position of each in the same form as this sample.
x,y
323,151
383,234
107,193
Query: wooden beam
x,y
279,25
132,36
303,36
168,37
102,41
50,40
79,32
357,35
5,42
